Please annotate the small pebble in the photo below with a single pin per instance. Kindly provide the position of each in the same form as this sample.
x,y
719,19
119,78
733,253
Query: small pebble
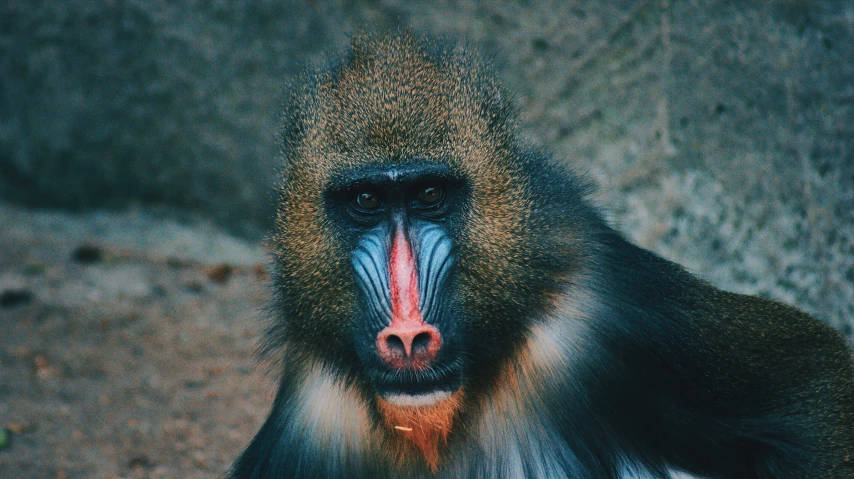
x,y
87,254
194,286
261,272
35,268
11,298
140,461
176,263
220,274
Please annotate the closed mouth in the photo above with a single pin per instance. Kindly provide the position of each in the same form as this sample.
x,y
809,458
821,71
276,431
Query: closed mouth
x,y
415,386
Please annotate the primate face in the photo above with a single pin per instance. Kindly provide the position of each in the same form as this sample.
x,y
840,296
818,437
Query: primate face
x,y
412,252
400,220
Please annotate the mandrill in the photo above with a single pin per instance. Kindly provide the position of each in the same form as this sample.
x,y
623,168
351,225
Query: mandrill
x,y
449,303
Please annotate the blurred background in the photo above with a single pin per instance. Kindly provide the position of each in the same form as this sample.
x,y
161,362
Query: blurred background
x,y
137,158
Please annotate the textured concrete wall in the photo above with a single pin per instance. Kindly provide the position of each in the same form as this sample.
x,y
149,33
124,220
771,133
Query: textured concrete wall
x,y
110,103
722,133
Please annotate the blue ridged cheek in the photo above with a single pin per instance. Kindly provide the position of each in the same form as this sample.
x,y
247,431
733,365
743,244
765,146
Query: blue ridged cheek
x,y
370,263
435,262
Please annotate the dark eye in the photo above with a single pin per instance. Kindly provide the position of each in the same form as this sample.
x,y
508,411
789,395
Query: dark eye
x,y
431,195
367,201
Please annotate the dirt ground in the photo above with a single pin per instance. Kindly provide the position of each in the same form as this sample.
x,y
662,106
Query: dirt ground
x,y
127,346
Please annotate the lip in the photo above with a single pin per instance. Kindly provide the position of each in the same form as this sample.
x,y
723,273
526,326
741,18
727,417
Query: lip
x,y
438,379
417,400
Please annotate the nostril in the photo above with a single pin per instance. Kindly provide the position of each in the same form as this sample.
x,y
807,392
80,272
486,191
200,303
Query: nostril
x,y
395,345
405,346
421,343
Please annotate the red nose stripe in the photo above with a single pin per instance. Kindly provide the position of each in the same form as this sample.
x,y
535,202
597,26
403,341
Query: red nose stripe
x,y
404,283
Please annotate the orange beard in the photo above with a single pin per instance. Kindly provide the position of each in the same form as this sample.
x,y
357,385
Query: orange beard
x,y
425,428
